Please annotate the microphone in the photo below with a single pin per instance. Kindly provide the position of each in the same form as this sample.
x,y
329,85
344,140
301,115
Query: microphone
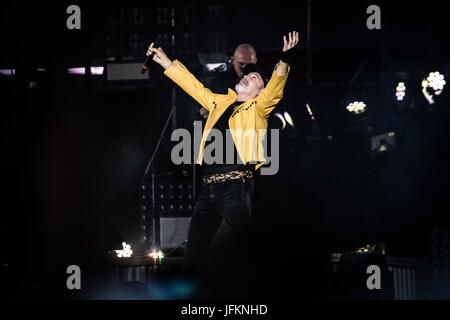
x,y
146,64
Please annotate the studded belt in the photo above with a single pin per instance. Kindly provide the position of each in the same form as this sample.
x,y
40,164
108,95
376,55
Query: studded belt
x,y
228,176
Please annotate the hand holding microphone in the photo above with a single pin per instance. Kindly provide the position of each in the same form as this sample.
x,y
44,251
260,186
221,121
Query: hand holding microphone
x,y
147,61
158,56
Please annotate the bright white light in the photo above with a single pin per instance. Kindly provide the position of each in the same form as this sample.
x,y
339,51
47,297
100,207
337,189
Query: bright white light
x,y
126,252
97,71
309,111
156,254
356,107
288,118
79,70
218,67
279,116
400,91
8,72
41,69
436,81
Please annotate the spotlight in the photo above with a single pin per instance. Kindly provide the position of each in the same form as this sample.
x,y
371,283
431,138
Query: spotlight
x,y
433,85
436,81
310,112
400,91
283,121
95,71
156,254
356,107
126,252
77,71
216,67
8,72
426,94
288,118
213,62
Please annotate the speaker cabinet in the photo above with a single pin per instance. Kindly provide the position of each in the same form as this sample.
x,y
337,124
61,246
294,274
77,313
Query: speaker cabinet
x,y
173,231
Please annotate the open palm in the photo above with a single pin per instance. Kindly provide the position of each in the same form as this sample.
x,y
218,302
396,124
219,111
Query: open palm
x,y
291,41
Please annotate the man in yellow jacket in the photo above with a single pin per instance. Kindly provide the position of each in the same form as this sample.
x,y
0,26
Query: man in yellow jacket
x,y
223,209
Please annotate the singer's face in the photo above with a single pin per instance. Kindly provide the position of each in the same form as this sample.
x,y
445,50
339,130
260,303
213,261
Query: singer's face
x,y
251,84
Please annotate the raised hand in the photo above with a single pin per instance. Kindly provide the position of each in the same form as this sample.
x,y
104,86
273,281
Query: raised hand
x,y
159,56
291,41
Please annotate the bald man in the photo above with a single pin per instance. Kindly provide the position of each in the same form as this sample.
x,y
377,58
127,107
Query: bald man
x,y
243,55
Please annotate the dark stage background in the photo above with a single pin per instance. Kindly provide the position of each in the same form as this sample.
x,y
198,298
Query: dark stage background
x,y
75,148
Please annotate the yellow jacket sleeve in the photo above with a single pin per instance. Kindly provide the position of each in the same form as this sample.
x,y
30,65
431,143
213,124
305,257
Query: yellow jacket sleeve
x,y
179,74
271,94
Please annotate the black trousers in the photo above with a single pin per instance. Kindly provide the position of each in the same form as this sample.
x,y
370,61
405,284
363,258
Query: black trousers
x,y
220,224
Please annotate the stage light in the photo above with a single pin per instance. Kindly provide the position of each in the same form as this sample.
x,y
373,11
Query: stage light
x,y
400,91
288,118
126,252
436,81
356,107
213,62
216,67
77,71
97,71
382,148
433,85
8,72
156,254
426,94
310,112
283,121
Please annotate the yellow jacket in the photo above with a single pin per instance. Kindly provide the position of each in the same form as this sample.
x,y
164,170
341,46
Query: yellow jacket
x,y
248,123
